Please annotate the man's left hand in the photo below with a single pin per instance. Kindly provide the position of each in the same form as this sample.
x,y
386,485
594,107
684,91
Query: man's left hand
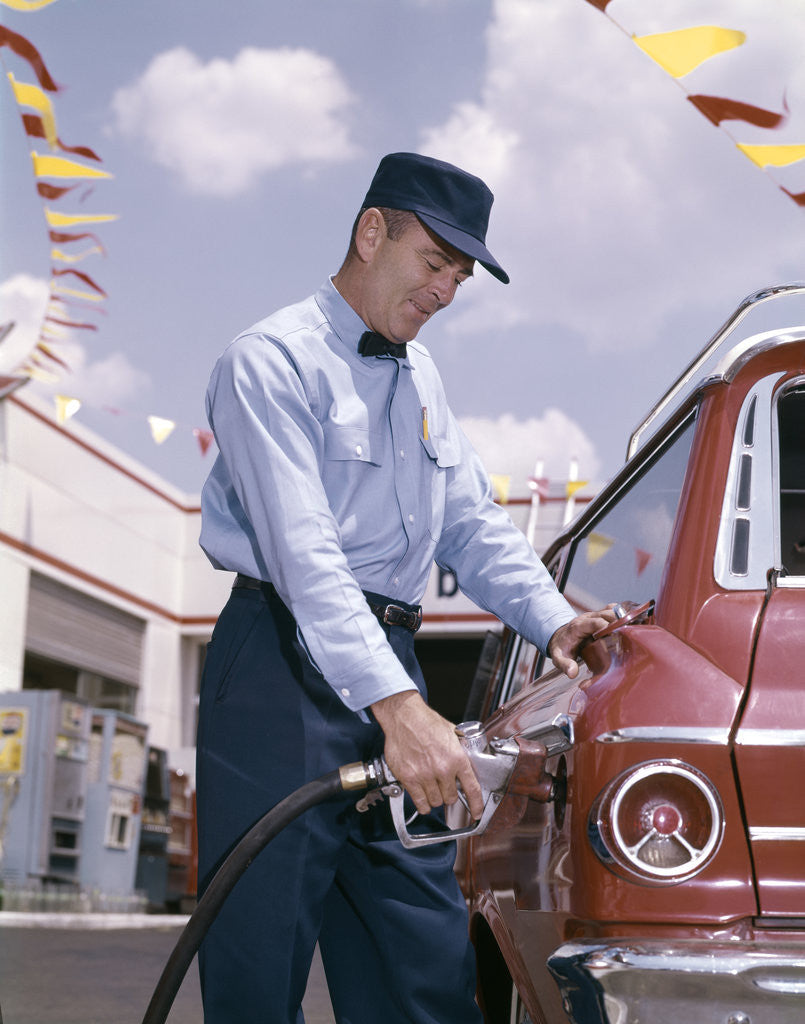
x,y
566,643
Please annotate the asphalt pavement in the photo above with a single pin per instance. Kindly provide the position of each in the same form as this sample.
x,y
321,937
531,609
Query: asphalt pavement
x,y
102,969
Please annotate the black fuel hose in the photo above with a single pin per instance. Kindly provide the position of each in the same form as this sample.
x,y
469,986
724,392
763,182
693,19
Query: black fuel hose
x,y
260,834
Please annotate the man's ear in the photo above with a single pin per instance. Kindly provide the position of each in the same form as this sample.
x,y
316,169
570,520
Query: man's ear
x,y
370,233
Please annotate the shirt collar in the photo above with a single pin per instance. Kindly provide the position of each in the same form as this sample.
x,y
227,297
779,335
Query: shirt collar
x,y
344,321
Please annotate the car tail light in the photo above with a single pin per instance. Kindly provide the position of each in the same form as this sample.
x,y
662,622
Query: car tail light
x,y
660,822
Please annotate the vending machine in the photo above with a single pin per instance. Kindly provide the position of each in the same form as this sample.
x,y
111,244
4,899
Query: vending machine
x,y
44,742
115,784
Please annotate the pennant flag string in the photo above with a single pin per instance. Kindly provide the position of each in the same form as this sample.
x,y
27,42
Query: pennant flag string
x,y
41,124
160,427
680,52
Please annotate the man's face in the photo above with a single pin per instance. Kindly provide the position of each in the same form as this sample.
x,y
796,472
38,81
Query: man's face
x,y
409,279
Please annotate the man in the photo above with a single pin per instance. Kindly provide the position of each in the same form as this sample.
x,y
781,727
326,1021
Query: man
x,y
342,474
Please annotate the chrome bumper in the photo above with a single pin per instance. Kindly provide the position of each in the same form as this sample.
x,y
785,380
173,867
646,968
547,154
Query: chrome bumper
x,y
680,982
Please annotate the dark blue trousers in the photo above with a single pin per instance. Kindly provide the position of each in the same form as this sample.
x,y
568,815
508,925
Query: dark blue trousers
x,y
391,923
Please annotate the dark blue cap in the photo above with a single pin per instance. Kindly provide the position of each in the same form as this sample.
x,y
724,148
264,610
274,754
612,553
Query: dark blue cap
x,y
455,205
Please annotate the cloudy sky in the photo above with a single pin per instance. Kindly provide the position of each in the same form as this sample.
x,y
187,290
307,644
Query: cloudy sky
x,y
242,136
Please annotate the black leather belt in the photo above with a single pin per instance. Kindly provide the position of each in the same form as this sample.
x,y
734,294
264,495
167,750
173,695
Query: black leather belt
x,y
387,612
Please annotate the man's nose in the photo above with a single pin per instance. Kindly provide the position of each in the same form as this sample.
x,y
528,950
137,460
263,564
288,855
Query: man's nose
x,y
444,288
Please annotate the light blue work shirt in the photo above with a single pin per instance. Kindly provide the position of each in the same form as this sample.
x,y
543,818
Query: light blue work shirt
x,y
339,472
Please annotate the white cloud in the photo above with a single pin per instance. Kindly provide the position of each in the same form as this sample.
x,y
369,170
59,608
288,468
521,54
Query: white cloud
x,y
221,125
616,201
512,447
23,300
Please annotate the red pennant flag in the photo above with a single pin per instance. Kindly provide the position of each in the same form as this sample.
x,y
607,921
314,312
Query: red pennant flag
x,y
20,45
35,127
53,191
204,438
798,197
43,347
73,236
71,323
80,275
718,109
539,484
643,558
600,4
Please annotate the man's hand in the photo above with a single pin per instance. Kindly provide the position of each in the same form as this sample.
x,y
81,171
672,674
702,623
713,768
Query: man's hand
x,y
424,754
566,643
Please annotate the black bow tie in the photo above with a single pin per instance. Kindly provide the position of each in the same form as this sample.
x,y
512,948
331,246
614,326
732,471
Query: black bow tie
x,y
372,344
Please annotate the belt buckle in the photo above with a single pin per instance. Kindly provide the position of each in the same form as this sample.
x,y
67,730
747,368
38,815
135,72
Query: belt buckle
x,y
394,615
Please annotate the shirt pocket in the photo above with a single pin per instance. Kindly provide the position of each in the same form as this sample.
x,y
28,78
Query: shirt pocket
x,y
444,451
353,444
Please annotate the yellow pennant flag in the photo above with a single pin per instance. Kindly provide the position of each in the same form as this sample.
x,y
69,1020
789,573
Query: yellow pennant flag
x,y
680,52
774,156
68,220
26,5
574,485
37,373
75,293
597,547
160,429
66,407
500,486
32,96
63,257
60,167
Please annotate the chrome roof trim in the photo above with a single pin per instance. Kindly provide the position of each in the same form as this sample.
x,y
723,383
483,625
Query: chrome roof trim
x,y
680,386
666,734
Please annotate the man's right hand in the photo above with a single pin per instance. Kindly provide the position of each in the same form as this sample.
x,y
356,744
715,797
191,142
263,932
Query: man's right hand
x,y
424,753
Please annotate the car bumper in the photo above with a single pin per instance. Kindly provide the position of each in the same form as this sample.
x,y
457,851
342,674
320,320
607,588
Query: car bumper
x,y
632,981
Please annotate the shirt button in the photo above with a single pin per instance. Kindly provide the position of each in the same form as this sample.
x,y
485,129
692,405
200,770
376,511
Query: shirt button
x,y
402,453
410,517
345,692
396,581
358,449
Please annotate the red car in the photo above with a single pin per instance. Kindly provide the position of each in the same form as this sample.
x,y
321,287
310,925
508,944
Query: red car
x,y
662,880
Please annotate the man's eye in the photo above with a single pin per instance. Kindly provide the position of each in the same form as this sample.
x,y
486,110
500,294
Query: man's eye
x,y
433,266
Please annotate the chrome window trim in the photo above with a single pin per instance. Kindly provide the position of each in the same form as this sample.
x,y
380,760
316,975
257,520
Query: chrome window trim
x,y
762,517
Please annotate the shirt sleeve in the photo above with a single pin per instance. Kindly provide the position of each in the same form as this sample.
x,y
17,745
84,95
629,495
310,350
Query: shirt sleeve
x,y
262,415
495,565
